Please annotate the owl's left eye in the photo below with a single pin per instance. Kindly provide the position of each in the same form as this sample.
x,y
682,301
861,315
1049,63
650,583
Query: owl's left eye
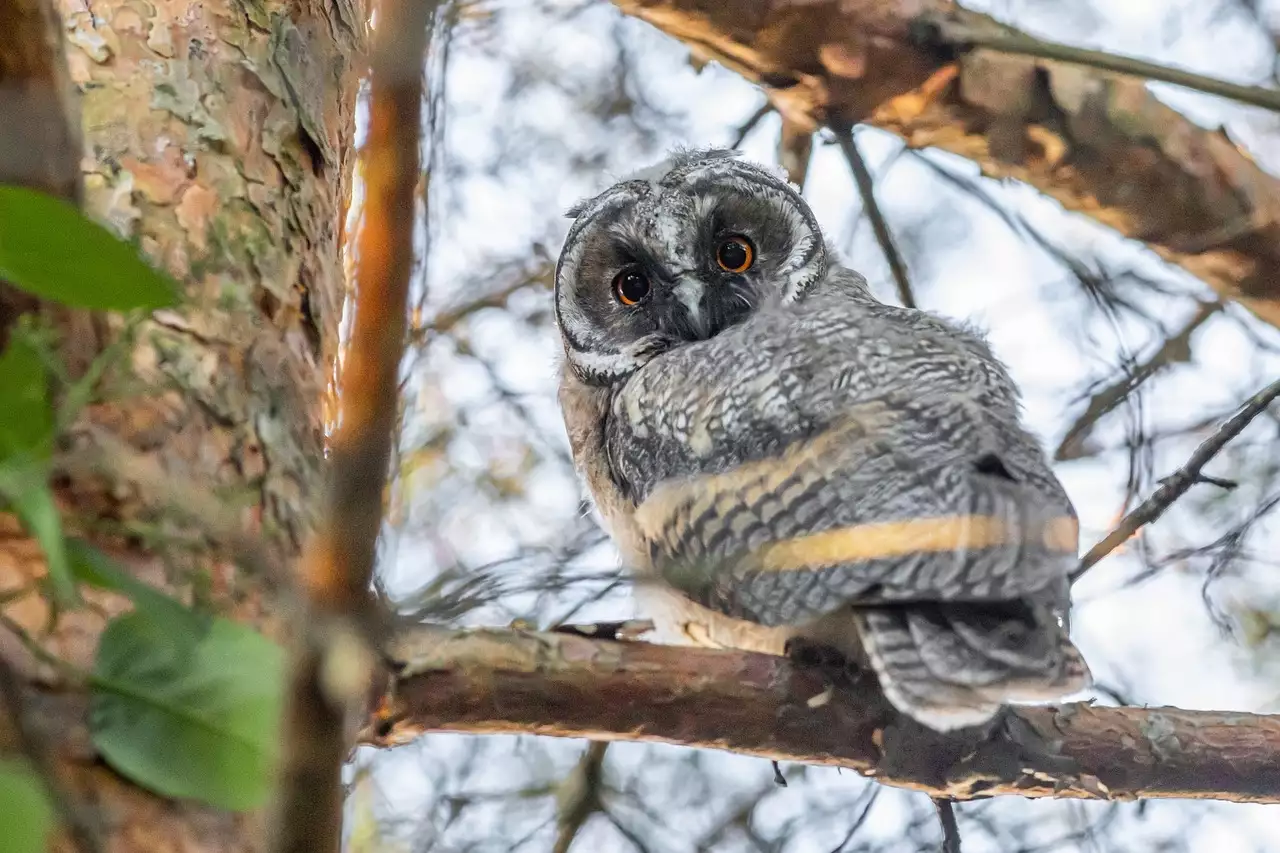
x,y
630,287
735,254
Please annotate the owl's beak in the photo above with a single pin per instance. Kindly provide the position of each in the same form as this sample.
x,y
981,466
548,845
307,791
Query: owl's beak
x,y
688,292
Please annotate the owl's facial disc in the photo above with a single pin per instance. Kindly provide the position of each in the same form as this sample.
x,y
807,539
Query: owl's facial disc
x,y
678,256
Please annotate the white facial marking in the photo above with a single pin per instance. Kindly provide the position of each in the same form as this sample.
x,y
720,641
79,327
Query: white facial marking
x,y
689,291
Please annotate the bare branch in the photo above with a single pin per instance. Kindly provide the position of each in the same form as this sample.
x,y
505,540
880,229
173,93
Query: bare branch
x,y
750,124
869,798
1172,487
1176,348
862,177
563,685
950,830
328,672
795,146
446,320
579,795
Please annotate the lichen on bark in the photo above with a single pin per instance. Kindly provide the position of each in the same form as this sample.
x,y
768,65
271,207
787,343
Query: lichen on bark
x,y
218,138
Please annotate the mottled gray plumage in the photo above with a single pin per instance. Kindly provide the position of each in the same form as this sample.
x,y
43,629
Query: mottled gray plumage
x,y
779,455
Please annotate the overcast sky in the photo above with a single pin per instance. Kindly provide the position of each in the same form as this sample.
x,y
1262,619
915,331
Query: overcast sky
x,y
1155,640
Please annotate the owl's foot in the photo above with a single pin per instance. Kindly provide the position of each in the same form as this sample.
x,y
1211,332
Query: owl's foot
x,y
837,669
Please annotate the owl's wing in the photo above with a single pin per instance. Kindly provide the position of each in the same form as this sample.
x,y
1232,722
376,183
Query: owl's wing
x,y
862,462
873,509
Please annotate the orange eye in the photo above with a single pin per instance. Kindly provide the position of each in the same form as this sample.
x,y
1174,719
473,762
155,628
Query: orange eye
x,y
630,287
735,254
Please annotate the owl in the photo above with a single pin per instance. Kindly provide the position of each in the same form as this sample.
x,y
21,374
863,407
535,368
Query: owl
x,y
781,458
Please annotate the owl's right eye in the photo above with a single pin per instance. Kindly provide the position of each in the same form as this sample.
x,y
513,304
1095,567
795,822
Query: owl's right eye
x,y
630,287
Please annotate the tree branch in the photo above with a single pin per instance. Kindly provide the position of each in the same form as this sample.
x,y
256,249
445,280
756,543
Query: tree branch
x,y
564,685
744,129
964,35
795,147
1099,143
331,667
1176,484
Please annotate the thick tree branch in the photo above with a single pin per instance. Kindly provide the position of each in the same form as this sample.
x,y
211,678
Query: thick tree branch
x,y
1098,142
960,34
564,685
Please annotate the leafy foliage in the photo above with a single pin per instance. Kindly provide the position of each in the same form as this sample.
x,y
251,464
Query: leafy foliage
x,y
26,417
49,248
184,703
193,713
26,441
28,816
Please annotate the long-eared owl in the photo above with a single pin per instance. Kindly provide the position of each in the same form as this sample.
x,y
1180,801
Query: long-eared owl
x,y
778,455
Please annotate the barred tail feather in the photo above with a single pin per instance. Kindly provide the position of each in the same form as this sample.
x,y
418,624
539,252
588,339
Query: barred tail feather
x,y
954,665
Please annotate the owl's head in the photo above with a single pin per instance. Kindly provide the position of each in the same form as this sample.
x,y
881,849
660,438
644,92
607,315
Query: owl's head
x,y
677,254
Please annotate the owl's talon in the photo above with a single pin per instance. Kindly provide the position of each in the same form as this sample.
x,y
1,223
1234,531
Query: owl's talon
x,y
628,630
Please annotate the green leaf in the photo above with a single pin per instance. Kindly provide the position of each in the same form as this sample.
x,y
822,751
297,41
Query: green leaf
x,y
26,441
49,248
195,715
27,814
26,415
24,486
91,566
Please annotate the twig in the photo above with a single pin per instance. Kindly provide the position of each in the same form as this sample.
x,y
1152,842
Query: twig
x,y
950,830
80,822
750,124
1172,487
862,177
579,795
795,146
445,320
870,795
941,29
1175,348
331,670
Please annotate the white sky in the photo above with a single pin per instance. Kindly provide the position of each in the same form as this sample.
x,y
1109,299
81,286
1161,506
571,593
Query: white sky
x,y
1155,639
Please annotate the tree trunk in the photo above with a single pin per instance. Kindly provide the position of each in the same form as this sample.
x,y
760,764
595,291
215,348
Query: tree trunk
x,y
218,137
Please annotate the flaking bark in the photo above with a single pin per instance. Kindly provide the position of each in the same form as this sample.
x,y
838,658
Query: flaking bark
x,y
218,137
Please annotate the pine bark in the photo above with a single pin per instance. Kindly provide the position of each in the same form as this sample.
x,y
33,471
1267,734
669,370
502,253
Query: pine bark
x,y
218,137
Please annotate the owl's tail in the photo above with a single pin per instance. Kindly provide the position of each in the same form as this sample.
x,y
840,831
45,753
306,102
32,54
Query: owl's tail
x,y
954,665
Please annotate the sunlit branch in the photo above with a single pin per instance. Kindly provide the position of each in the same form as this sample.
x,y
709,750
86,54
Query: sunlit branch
x,y
941,29
338,565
